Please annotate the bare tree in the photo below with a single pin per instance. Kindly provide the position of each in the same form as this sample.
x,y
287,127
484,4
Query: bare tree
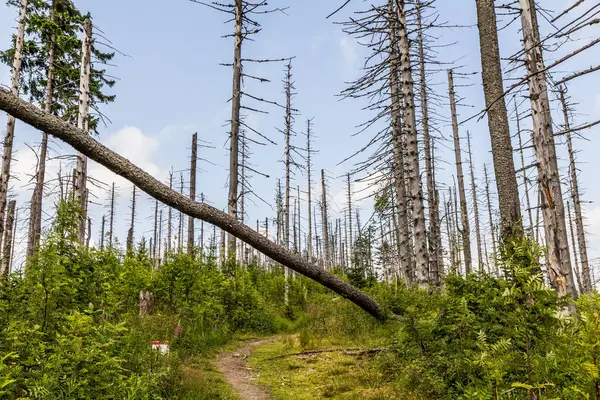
x,y
435,241
309,193
111,216
525,180
475,205
132,224
586,284
491,219
80,178
10,121
502,152
193,162
8,239
404,248
35,214
466,230
414,176
324,223
558,258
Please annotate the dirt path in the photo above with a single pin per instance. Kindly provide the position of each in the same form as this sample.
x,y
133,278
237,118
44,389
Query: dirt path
x,y
237,372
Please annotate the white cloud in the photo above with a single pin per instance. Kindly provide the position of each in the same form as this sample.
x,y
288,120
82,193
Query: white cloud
x,y
349,49
137,147
24,167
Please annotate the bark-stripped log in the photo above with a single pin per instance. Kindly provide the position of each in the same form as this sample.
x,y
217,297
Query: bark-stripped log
x,y
118,164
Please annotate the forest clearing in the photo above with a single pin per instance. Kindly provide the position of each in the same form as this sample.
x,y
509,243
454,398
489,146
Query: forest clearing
x,y
385,200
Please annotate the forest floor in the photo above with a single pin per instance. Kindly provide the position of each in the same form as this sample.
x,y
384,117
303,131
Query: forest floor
x,y
284,368
241,377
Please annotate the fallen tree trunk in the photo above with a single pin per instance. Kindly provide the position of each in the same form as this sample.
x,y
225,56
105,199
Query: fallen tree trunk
x,y
118,164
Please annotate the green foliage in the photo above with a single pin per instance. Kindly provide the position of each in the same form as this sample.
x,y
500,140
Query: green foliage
x,y
71,329
64,28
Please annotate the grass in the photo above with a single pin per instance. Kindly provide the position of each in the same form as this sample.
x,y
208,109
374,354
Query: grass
x,y
321,376
200,380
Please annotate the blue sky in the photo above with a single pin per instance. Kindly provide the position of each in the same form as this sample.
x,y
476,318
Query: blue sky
x,y
171,85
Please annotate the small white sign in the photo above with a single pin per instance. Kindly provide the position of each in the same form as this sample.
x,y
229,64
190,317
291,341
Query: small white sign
x,y
162,347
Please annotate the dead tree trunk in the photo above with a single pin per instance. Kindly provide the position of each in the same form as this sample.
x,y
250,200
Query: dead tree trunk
x,y
525,181
193,162
414,176
201,244
457,232
112,216
502,152
89,233
83,142
324,223
180,227
8,239
10,121
155,233
159,239
170,217
435,241
586,281
491,219
448,213
559,260
466,229
236,98
242,202
350,243
309,238
475,205
299,214
132,223
80,181
294,230
35,214
574,244
102,233
288,149
406,259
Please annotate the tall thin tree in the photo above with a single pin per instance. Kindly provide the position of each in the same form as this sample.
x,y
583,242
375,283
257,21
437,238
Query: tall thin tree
x,y
558,258
10,121
466,229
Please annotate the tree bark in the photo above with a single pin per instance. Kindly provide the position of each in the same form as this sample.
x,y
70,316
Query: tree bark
x,y
80,181
574,244
406,259
309,195
35,213
586,283
170,217
491,219
559,259
288,133
132,224
502,152
466,228
351,239
435,237
475,205
414,176
8,239
102,233
236,98
10,121
525,181
324,223
193,162
111,216
144,181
